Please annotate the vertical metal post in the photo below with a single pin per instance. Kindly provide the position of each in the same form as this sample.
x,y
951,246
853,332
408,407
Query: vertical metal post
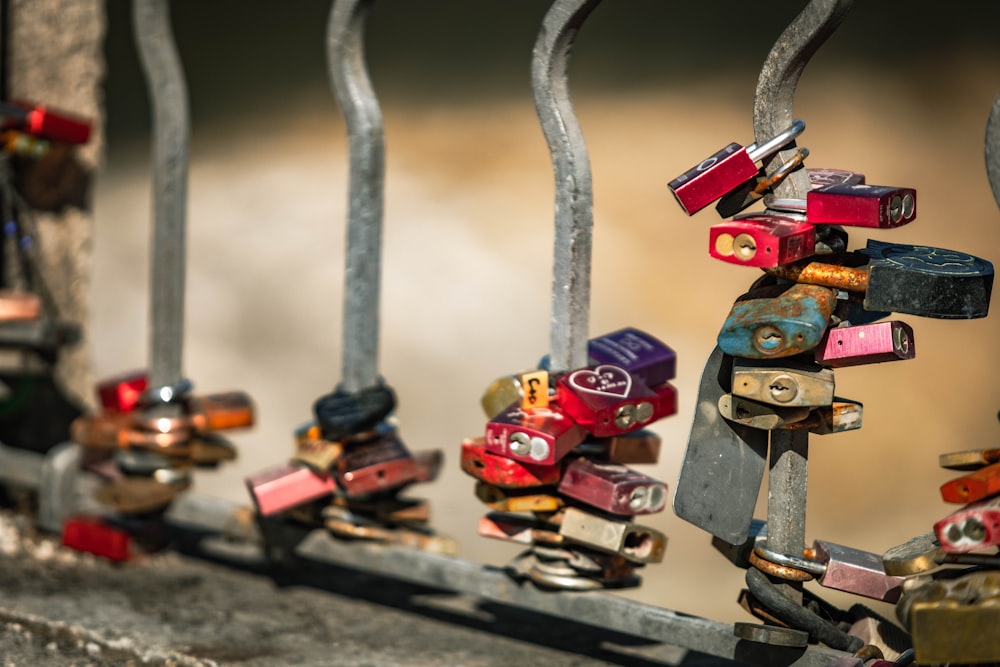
x,y
772,111
993,149
787,483
574,210
168,93
356,98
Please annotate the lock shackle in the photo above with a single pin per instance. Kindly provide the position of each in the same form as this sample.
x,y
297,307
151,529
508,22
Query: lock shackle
x,y
775,179
758,152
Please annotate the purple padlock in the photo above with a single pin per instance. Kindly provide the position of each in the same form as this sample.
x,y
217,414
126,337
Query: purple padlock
x,y
637,352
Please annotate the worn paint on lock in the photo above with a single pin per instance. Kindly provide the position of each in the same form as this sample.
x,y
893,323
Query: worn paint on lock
x,y
841,415
121,393
607,400
862,205
973,527
836,276
379,465
317,453
639,353
639,544
975,486
856,571
917,555
969,459
790,323
759,415
518,529
223,411
541,436
505,472
535,390
513,501
866,344
713,177
613,487
762,240
927,281
785,385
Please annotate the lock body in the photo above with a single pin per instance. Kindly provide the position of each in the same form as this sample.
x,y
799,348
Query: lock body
x,y
973,527
284,487
759,415
713,177
607,400
641,355
790,323
95,536
505,500
504,472
377,465
121,393
222,411
640,446
639,544
866,344
541,437
973,487
762,240
841,415
519,529
612,487
861,205
855,571
783,385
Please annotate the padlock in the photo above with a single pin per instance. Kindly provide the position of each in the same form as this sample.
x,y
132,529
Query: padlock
x,y
820,177
952,621
22,144
759,415
504,472
207,450
640,354
841,415
975,486
428,463
726,170
94,535
969,459
501,393
902,278
607,400
855,571
377,465
341,414
866,344
141,495
790,383
914,556
861,205
222,411
16,306
284,487
973,527
41,121
120,393
542,436
612,487
762,240
639,544
640,446
503,500
771,324
518,529
317,453
754,190
388,510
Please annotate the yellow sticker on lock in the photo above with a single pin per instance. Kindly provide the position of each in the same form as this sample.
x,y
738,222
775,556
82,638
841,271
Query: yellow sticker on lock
x,y
535,388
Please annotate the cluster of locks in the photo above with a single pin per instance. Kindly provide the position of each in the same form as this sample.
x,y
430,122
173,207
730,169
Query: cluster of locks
x,y
552,463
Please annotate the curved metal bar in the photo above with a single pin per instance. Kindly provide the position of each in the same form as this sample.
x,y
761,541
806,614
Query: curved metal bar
x,y
772,109
353,90
574,211
168,93
993,149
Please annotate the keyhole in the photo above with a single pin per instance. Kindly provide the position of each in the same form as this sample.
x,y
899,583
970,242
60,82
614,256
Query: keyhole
x,y
744,247
768,339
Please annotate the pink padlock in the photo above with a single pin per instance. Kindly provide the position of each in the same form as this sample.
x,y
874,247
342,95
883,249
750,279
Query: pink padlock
x,y
866,344
613,487
607,400
284,487
856,571
975,526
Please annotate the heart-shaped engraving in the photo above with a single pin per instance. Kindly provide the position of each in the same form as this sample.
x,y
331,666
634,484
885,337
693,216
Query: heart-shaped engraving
x,y
606,380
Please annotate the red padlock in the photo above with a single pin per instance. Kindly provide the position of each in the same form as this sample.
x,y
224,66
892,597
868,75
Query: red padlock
x,y
541,436
762,239
284,487
505,472
972,527
975,486
377,465
120,393
92,535
861,205
607,400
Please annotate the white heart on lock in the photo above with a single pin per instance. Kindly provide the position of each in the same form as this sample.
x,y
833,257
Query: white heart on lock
x,y
605,380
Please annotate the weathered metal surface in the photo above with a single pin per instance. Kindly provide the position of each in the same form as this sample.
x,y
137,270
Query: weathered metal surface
x,y
969,459
574,209
354,94
759,415
723,465
505,472
992,152
856,571
780,76
827,275
974,486
913,556
788,384
787,482
972,527
773,327
171,128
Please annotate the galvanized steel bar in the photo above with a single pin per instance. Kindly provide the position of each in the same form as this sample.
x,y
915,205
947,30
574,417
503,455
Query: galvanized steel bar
x,y
574,210
356,98
993,149
787,481
169,101
772,111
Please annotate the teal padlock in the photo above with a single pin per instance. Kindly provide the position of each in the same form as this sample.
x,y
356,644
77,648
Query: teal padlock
x,y
766,325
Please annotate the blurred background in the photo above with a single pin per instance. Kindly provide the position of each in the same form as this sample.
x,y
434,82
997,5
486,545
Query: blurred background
x,y
900,94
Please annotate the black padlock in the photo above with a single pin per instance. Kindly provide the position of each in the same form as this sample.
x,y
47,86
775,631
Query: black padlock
x,y
342,414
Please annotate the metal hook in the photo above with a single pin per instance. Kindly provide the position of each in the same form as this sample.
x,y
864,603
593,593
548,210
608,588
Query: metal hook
x,y
356,99
574,210
772,109
993,149
168,93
